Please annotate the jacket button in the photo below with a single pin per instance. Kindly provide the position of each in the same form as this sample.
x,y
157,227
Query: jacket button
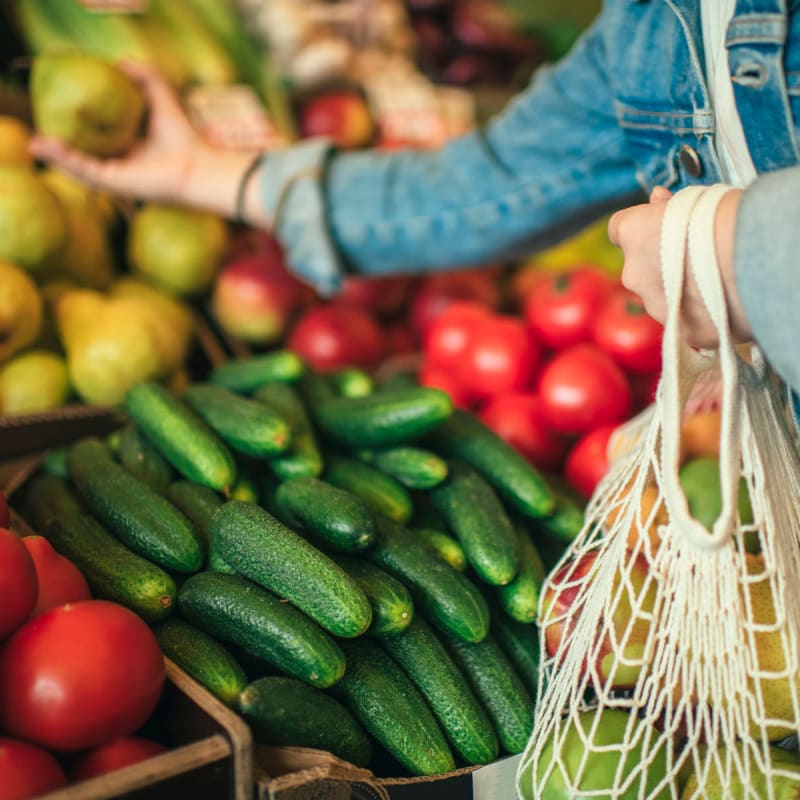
x,y
691,161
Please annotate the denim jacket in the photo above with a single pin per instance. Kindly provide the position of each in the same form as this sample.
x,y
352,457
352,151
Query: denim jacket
x,y
626,110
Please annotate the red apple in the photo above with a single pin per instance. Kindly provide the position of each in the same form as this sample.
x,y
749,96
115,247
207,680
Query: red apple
x,y
343,116
617,654
382,295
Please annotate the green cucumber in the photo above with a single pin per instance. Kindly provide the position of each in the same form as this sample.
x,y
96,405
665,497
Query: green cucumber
x,y
181,437
285,712
465,437
315,389
380,492
236,610
426,661
498,687
112,571
383,419
392,606
476,516
246,486
520,598
391,708
204,658
261,548
449,599
338,518
198,503
565,522
139,517
444,545
520,644
142,460
303,457
55,462
351,382
248,374
412,466
247,426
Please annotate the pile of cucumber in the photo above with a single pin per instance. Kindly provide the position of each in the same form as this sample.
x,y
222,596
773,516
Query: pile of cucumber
x,y
343,563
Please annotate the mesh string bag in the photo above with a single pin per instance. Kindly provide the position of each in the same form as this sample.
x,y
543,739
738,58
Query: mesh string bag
x,y
669,664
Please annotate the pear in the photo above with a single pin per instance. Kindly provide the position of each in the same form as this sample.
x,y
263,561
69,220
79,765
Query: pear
x,y
14,138
33,382
20,310
75,311
89,103
86,256
33,225
178,249
71,192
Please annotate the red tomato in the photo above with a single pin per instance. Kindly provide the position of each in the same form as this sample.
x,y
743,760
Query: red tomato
x,y
438,378
452,331
501,356
644,386
60,581
381,295
27,771
115,755
587,462
517,417
523,282
5,514
628,333
335,335
79,675
561,310
399,339
18,585
582,388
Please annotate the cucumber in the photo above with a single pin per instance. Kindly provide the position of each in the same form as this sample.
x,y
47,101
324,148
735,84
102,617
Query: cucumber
x,y
198,503
466,438
247,426
142,460
498,687
383,419
444,545
246,486
340,519
520,644
565,522
248,374
204,658
303,457
55,462
426,661
284,711
412,466
112,571
477,517
351,382
391,708
449,599
380,492
181,437
261,548
236,610
520,598
139,517
315,389
392,606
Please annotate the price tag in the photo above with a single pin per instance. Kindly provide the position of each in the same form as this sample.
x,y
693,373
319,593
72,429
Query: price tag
x,y
496,781
116,6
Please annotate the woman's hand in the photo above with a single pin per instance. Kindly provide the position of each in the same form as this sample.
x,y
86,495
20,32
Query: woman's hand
x,y
637,230
172,164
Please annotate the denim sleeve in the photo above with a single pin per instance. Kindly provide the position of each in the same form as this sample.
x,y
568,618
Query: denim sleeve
x,y
767,270
552,161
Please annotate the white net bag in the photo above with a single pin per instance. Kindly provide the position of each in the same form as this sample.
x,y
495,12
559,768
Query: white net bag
x,y
670,664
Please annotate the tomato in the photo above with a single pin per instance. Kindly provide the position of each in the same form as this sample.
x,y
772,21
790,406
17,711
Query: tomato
x,y
399,339
114,755
581,388
628,333
644,386
337,334
452,331
27,771
587,462
5,514
18,584
502,355
517,417
439,378
60,581
79,675
561,309
382,295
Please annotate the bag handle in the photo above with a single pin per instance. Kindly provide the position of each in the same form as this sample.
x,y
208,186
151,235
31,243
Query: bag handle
x,y
688,229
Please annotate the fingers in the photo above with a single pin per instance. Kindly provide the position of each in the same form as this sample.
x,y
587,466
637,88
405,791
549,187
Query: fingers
x,y
660,194
157,91
613,227
86,168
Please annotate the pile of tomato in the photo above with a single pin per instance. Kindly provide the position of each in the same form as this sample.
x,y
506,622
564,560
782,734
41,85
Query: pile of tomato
x,y
77,676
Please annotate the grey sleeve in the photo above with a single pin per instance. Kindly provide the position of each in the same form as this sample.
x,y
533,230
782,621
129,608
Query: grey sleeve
x,y
767,267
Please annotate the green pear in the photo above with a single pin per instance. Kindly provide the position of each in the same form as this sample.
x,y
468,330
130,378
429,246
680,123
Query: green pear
x,y
33,226
178,249
33,382
89,103
72,193
14,138
20,310
75,311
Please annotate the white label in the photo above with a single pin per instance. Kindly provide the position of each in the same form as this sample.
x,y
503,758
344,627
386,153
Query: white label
x,y
496,781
